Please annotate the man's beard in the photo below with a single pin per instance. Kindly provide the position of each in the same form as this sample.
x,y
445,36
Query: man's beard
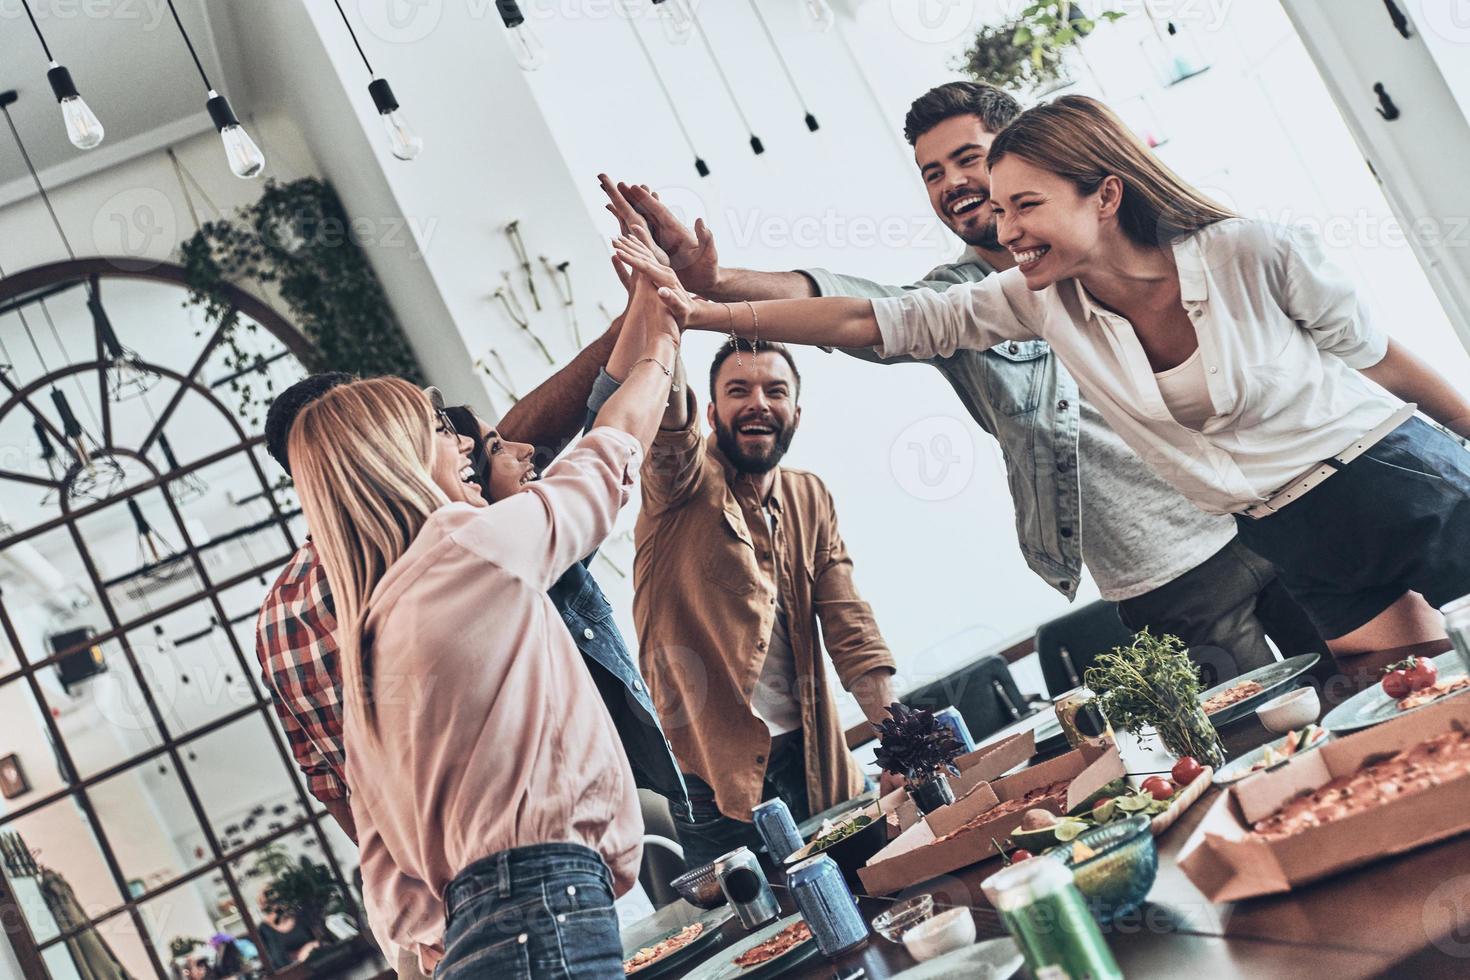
x,y
985,237
745,462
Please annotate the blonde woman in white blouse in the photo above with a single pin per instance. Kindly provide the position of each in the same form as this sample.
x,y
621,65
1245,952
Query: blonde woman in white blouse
x,y
1227,352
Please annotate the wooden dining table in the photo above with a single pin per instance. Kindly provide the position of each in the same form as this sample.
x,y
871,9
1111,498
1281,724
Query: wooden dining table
x,y
1405,916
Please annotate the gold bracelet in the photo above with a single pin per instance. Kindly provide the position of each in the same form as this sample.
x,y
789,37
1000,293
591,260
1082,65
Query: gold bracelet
x,y
666,371
755,325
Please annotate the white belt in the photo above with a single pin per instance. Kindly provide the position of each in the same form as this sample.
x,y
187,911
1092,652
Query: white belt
x,y
1320,474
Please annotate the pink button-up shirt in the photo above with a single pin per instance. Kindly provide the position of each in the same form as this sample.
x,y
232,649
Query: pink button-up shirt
x,y
492,733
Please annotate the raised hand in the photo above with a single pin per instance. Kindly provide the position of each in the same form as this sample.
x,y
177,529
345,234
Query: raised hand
x,y
640,256
691,254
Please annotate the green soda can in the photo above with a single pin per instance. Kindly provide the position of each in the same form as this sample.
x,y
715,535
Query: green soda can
x,y
1048,918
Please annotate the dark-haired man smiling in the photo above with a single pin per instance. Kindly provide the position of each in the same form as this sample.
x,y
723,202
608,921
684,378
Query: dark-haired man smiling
x,y
739,562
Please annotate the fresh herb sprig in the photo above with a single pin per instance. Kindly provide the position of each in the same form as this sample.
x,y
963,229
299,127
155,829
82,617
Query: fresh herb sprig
x,y
1152,682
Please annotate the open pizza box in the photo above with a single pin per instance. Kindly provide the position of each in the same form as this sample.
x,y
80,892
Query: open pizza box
x,y
918,854
986,763
1226,864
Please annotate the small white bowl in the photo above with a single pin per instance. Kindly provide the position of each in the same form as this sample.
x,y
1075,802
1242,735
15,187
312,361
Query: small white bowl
x,y
1292,710
946,932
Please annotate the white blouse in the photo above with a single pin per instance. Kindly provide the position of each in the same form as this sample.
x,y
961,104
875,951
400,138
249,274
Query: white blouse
x,y
1282,335
1186,391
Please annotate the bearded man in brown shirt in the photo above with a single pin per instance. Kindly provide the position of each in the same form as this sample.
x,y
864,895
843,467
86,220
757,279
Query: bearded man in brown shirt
x,y
738,562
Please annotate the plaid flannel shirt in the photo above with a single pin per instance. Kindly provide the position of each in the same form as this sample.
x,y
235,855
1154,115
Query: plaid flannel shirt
x,y
298,659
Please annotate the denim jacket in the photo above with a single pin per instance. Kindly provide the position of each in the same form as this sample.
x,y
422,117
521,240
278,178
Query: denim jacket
x,y
589,617
1021,395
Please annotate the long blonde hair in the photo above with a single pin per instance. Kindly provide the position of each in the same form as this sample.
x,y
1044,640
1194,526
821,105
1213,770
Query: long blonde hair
x,y
361,457
1083,141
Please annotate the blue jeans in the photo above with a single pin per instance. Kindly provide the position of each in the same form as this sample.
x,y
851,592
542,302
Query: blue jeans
x,y
543,912
705,833
1394,520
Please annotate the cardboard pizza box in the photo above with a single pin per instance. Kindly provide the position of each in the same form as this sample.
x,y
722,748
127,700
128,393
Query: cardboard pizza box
x,y
980,766
918,854
1226,863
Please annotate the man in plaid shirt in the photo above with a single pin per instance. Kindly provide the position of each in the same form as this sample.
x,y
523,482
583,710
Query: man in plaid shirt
x,y
294,633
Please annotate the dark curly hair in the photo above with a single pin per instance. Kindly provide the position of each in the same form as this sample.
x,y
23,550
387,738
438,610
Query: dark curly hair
x,y
995,108
289,403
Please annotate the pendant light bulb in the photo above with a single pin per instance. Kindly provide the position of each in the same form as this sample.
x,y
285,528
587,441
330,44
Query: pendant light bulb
x,y
677,19
823,17
405,143
243,156
83,127
530,53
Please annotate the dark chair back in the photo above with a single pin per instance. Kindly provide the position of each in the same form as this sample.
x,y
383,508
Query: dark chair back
x,y
984,693
1069,644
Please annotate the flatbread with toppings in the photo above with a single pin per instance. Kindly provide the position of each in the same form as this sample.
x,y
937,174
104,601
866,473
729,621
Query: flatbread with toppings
x,y
1232,695
649,955
1055,793
1432,762
780,944
1434,692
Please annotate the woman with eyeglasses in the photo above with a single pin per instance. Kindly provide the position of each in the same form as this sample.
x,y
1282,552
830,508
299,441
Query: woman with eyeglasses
x,y
1226,352
496,812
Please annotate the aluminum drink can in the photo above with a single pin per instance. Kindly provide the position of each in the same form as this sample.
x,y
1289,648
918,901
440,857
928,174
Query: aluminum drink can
x,y
827,905
952,719
777,828
1457,625
1045,913
745,887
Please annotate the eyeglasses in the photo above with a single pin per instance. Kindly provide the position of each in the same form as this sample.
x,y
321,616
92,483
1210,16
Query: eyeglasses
x,y
441,417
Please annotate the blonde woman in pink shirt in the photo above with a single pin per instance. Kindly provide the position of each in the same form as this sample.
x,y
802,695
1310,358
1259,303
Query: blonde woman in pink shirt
x,y
496,812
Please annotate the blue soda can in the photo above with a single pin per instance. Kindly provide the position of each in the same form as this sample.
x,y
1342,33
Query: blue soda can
x,y
827,905
951,718
777,828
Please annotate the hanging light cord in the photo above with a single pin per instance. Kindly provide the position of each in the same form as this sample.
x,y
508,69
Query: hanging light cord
x,y
719,70
46,198
776,49
37,27
353,33
668,97
192,53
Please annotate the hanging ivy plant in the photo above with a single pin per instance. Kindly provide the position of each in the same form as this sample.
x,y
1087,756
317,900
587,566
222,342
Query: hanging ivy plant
x,y
1027,53
298,239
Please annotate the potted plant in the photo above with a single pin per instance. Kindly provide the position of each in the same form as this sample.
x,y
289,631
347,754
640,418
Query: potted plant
x,y
306,892
922,749
1026,54
1153,683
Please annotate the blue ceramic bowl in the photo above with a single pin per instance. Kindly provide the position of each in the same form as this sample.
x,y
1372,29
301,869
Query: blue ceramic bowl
x,y
1117,878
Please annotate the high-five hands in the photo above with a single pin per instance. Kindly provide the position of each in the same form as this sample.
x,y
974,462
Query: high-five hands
x,y
641,258
691,254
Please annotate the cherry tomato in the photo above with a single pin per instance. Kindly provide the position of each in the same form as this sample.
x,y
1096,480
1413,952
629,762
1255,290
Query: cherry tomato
x,y
1423,674
1396,684
1186,770
1160,788
1151,782
1021,854
1102,802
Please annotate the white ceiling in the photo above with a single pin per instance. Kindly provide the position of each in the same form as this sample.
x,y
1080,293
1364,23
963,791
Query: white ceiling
x,y
130,65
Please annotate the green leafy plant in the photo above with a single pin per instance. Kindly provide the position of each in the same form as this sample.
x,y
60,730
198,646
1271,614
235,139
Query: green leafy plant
x,y
1152,682
916,745
182,946
1027,53
298,240
304,891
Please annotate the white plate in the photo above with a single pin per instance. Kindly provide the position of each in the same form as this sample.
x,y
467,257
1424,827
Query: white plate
x,y
994,959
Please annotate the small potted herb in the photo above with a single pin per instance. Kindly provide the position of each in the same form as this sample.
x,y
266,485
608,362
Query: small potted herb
x,y
922,749
1153,683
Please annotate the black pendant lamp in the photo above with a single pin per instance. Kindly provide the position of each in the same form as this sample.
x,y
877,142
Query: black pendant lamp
x,y
83,127
243,155
406,145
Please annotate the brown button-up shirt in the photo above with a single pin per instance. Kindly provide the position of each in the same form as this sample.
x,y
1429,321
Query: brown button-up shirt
x,y
706,577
